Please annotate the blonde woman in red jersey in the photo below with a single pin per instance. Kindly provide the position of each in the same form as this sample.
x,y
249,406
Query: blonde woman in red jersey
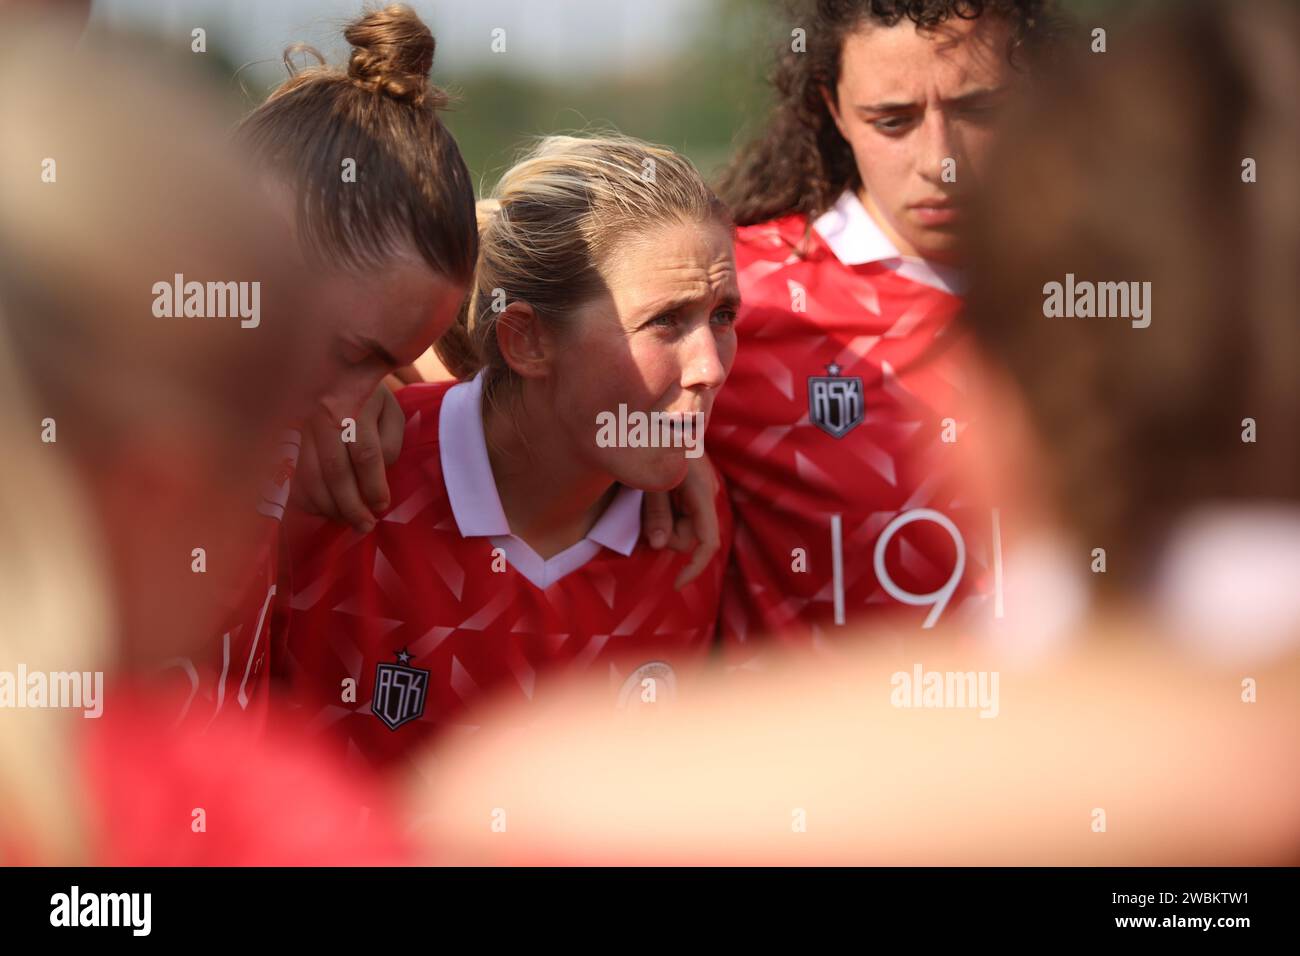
x,y
605,291
838,432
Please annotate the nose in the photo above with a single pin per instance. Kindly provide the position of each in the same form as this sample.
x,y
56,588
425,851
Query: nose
x,y
938,143
702,366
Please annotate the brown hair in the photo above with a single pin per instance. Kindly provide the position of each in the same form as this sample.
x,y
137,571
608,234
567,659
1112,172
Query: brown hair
x,y
412,189
1129,167
800,163
552,220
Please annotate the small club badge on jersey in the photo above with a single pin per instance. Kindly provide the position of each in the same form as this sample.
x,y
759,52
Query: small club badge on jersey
x,y
400,692
649,683
835,403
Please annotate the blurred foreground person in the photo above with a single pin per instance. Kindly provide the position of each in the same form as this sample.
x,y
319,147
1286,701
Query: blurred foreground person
x,y
1147,713
146,317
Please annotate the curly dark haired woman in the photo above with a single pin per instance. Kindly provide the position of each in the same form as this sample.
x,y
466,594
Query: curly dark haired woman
x,y
837,434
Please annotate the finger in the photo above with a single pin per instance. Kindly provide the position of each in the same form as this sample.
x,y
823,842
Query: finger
x,y
368,467
696,499
656,518
704,520
705,526
336,470
704,553
392,427
683,536
408,375
307,490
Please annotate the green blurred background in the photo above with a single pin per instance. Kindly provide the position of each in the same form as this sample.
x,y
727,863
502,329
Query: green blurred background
x,y
690,74
709,98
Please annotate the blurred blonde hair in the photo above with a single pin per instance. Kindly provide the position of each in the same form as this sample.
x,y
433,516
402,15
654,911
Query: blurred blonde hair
x,y
145,186
552,221
54,616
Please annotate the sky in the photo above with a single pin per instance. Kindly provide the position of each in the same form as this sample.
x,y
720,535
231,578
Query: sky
x,y
554,37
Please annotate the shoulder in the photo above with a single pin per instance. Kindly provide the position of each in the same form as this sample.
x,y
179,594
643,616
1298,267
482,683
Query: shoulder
x,y
420,459
771,255
415,483
422,404
776,239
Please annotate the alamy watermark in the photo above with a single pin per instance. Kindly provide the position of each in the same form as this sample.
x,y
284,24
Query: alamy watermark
x,y
82,690
209,300
75,908
1102,300
651,430
946,690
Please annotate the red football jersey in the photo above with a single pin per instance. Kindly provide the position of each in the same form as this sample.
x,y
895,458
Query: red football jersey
x,y
231,675
835,433
439,604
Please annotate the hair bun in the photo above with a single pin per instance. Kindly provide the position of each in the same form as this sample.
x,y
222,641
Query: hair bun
x,y
393,53
485,211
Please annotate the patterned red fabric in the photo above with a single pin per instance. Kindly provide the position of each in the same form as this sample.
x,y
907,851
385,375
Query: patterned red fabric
x,y
437,621
835,414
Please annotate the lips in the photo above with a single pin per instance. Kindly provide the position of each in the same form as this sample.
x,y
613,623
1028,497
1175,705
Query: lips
x,y
936,212
677,420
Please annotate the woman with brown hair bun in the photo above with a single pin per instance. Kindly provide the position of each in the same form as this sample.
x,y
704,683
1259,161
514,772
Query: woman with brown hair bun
x,y
382,206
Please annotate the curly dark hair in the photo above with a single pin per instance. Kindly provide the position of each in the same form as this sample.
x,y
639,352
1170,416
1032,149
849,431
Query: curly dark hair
x,y
800,163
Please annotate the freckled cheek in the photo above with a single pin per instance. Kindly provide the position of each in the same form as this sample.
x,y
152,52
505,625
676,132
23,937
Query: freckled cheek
x,y
882,170
592,379
657,368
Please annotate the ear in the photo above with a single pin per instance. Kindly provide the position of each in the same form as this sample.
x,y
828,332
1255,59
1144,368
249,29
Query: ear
x,y
829,98
526,344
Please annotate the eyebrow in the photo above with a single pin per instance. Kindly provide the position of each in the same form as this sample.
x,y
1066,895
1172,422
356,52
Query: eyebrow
x,y
963,99
729,297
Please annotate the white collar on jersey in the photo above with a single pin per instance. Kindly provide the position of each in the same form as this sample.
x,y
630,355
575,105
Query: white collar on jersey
x,y
476,505
855,239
